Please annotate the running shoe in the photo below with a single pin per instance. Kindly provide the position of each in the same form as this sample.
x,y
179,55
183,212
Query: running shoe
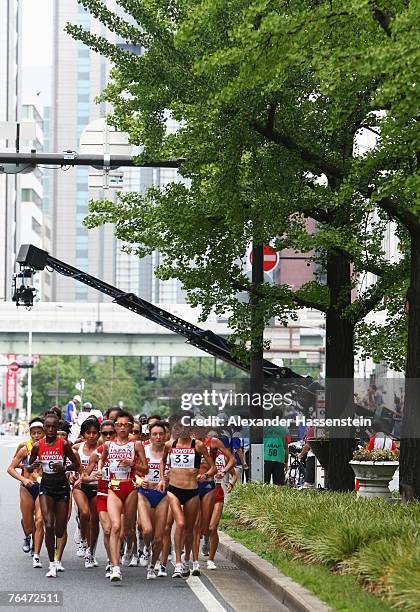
x,y
211,565
115,574
88,562
95,562
36,562
150,574
162,573
178,571
59,566
186,569
205,547
81,549
134,561
108,570
144,557
26,546
196,568
52,572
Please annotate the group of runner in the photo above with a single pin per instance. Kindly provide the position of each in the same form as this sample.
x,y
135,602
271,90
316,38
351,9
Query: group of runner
x,y
136,483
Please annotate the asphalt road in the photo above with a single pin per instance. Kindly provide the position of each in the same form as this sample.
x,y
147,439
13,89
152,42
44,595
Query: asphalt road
x,y
223,590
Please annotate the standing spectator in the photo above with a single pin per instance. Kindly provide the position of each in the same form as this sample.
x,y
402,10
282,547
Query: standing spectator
x,y
237,448
276,453
310,459
71,410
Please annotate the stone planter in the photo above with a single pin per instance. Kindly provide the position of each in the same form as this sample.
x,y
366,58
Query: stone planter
x,y
374,477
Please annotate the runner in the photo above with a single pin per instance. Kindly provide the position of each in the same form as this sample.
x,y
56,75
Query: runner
x,y
85,490
107,434
213,537
126,457
152,503
63,432
207,490
185,455
50,453
28,492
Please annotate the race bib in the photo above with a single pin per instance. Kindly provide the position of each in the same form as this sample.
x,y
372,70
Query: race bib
x,y
220,464
154,473
48,467
121,472
183,458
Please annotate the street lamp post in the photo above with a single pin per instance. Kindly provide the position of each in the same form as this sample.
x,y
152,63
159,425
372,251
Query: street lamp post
x,y
29,391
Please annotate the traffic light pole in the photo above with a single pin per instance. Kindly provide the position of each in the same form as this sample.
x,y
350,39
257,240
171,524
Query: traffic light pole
x,y
72,158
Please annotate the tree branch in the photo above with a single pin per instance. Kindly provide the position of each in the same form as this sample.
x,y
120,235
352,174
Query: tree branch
x,y
406,217
308,303
383,18
330,170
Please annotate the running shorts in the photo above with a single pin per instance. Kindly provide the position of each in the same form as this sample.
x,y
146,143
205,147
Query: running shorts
x,y
205,487
152,495
183,495
122,488
220,495
59,490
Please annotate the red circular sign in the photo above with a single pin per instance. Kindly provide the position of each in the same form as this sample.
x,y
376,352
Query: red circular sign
x,y
13,366
271,258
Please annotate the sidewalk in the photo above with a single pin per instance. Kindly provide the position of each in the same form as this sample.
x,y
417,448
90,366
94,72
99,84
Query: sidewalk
x,y
289,594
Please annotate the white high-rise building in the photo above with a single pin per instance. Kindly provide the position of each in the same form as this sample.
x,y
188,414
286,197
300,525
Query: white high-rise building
x,y
79,76
10,100
34,225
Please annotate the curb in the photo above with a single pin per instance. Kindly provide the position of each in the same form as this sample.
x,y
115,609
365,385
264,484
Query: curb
x,y
289,593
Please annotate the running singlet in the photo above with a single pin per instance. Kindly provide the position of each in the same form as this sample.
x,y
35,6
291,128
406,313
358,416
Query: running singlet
x,y
184,458
51,455
154,466
116,453
211,451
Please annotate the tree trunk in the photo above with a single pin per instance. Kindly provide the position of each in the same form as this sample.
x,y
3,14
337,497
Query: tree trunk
x,y
410,434
339,372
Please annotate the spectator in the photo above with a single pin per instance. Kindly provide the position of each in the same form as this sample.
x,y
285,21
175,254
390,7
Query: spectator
x,y
71,409
276,453
310,459
237,448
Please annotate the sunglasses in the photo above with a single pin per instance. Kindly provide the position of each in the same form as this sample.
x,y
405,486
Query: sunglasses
x,y
107,433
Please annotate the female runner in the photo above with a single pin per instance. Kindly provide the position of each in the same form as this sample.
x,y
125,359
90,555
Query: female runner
x,y
29,491
85,490
184,460
107,434
152,503
221,465
207,490
126,457
50,454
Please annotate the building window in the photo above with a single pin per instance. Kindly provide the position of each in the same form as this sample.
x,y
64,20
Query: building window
x,y
30,195
37,228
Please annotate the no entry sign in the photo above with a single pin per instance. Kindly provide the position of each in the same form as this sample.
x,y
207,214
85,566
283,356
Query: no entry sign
x,y
271,258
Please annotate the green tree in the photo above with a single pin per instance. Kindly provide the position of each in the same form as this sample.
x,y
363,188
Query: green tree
x,y
270,98
55,373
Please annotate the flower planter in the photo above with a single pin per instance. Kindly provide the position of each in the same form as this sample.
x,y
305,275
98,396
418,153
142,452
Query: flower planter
x,y
374,477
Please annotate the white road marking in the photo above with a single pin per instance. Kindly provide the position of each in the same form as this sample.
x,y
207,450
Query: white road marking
x,y
203,594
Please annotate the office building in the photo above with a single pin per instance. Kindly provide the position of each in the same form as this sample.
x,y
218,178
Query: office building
x,y
10,100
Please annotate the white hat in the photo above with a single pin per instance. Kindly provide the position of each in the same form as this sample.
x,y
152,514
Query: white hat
x,y
77,398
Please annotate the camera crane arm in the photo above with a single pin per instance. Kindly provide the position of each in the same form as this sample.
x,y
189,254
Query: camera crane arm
x,y
32,259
